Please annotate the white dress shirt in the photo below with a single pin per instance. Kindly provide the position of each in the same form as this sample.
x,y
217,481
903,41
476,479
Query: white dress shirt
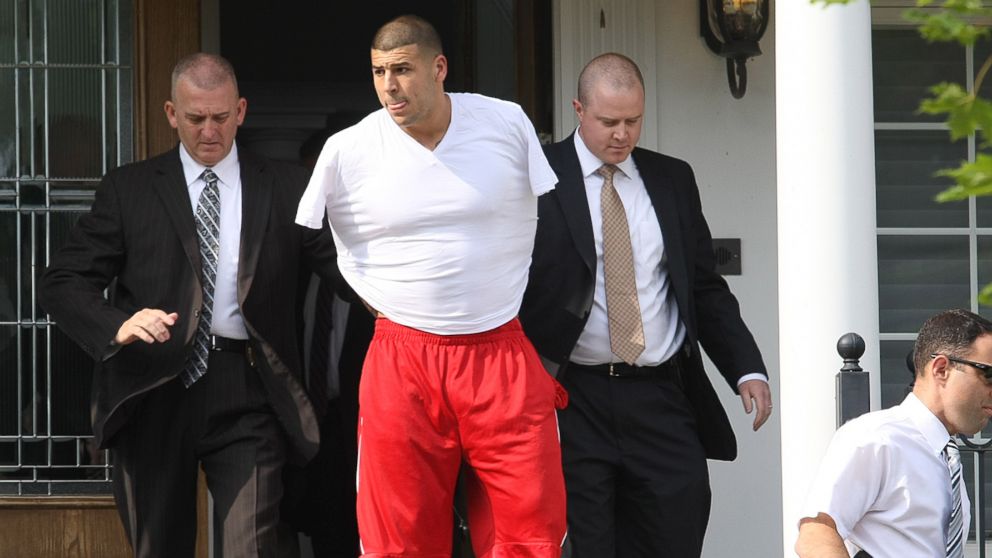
x,y
885,483
664,332
226,320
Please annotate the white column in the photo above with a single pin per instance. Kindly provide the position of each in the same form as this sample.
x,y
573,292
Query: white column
x,y
828,280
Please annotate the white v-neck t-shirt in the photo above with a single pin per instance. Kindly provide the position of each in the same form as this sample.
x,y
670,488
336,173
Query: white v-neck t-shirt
x,y
439,240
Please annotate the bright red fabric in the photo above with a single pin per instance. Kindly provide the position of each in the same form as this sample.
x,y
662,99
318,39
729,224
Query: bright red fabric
x,y
427,403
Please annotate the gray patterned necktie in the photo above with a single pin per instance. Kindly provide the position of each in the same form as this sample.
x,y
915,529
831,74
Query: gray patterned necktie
x,y
955,527
623,310
208,235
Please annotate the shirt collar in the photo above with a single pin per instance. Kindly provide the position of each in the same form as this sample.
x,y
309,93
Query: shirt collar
x,y
226,169
929,425
591,163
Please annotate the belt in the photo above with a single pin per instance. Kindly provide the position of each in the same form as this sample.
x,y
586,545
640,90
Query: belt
x,y
624,370
218,343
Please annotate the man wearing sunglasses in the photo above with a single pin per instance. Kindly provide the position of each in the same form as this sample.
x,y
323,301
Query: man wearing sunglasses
x,y
890,483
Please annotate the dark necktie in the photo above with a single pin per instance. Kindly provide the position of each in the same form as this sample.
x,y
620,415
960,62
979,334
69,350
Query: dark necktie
x,y
623,310
955,526
208,235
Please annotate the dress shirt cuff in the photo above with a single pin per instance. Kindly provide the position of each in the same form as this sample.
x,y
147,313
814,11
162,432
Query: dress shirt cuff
x,y
749,377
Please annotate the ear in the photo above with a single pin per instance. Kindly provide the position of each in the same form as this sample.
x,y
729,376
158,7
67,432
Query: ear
x,y
170,113
940,368
241,110
440,68
578,109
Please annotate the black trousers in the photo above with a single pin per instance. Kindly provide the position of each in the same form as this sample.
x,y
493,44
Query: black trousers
x,y
635,470
224,422
330,500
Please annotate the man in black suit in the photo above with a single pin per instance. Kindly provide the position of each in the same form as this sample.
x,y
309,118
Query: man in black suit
x,y
196,348
622,291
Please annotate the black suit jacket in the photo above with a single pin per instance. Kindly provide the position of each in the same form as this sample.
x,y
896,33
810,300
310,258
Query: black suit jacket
x,y
141,232
562,280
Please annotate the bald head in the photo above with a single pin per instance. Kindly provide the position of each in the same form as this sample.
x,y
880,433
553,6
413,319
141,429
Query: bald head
x,y
615,71
408,30
205,71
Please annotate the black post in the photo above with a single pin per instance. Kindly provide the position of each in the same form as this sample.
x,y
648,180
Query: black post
x,y
853,391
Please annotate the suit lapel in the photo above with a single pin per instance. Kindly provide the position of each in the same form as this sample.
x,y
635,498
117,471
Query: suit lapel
x,y
663,198
174,193
571,192
256,194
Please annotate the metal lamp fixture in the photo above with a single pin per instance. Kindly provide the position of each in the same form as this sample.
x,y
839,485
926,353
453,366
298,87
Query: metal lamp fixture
x,y
732,29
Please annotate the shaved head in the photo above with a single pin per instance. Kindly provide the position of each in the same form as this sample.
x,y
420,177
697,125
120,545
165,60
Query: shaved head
x,y
408,30
611,69
610,107
205,71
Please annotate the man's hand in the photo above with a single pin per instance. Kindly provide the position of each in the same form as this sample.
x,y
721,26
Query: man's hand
x,y
818,538
149,325
756,393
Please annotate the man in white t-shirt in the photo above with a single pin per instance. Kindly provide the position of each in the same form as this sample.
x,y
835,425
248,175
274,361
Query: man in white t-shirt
x,y
890,483
432,202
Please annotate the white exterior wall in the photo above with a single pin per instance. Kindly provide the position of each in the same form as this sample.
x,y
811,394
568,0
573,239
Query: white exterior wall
x,y
730,143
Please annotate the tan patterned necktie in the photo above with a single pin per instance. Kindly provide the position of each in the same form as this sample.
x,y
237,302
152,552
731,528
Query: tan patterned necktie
x,y
622,307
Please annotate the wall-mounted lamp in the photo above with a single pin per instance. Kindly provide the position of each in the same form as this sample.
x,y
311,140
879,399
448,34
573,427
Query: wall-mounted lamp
x,y
732,29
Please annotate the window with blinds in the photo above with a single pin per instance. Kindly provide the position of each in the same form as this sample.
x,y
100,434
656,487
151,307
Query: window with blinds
x,y
931,256
66,97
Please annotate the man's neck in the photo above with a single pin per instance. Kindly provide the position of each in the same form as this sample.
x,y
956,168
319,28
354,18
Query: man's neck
x,y
927,394
430,133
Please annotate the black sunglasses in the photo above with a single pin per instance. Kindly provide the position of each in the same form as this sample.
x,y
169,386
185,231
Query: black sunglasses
x,y
986,369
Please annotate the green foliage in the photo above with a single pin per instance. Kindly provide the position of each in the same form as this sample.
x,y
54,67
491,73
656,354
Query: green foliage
x,y
985,295
971,179
966,113
951,25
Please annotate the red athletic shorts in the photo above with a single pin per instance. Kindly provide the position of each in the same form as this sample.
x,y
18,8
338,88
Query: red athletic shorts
x,y
429,402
